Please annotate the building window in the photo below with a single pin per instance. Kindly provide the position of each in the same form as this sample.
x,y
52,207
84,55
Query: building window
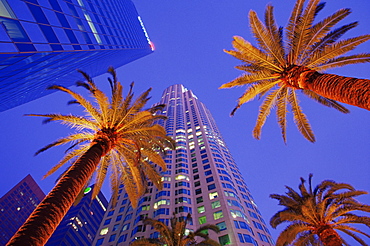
x,y
213,195
106,222
206,166
196,176
195,170
209,172
224,240
218,215
115,227
198,191
201,209
119,217
197,183
99,242
221,226
199,199
216,204
112,238
104,231
110,213
211,187
202,220
209,179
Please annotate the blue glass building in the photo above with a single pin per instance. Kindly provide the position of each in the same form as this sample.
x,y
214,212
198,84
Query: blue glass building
x,y
81,222
44,42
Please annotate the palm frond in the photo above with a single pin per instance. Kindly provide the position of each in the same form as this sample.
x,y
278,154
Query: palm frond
x,y
253,91
282,103
342,61
335,50
325,101
330,38
300,118
319,30
254,54
264,112
250,78
267,41
302,31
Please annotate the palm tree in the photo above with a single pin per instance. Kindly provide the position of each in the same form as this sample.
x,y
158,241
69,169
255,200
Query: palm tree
x,y
175,235
277,68
315,215
117,136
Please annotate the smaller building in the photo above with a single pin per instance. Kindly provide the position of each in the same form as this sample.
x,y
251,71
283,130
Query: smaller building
x,y
16,205
81,222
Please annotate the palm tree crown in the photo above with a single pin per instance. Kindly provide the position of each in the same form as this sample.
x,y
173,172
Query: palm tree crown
x,y
176,235
133,140
116,136
315,215
277,68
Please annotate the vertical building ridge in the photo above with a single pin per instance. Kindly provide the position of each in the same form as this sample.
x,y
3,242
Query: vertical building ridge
x,y
201,178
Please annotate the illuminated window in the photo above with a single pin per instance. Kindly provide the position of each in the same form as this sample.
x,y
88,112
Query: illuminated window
x,y
201,209
213,195
218,215
104,231
216,204
202,220
182,177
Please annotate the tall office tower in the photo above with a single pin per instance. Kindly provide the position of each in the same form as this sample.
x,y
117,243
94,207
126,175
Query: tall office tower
x,y
81,222
201,178
16,205
43,42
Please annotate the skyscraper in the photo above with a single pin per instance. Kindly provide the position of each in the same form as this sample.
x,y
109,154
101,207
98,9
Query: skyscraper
x,y
201,178
16,205
81,222
44,42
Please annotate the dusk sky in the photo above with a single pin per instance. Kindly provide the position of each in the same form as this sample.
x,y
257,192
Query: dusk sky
x,y
189,38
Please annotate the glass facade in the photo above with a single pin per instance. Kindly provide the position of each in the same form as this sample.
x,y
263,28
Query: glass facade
x,y
201,178
81,222
44,42
16,205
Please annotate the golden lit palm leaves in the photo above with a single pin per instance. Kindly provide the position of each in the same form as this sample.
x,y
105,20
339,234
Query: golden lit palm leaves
x,y
134,138
316,214
284,67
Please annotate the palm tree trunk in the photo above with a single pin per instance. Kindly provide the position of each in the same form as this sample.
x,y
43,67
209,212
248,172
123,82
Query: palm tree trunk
x,y
329,237
41,224
348,90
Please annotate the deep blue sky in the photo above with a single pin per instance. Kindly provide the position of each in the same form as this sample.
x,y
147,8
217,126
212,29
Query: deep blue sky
x,y
189,37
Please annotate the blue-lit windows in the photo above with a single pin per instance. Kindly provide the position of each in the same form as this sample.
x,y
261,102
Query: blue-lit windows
x,y
198,191
206,166
204,156
252,214
182,191
166,185
107,221
182,183
110,213
211,187
99,242
128,217
205,161
263,237
122,238
119,217
182,200
209,172
257,225
182,171
209,179
165,211
221,226
112,238
162,193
